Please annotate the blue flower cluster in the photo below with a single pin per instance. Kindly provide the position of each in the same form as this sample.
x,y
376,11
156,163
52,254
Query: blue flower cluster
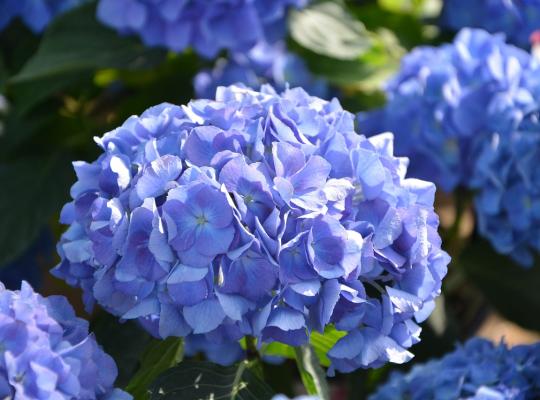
x,y
507,180
258,214
466,114
207,27
445,103
478,370
264,63
36,14
47,353
517,19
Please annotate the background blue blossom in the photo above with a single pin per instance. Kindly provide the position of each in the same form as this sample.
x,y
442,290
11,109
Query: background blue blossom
x,y
507,180
264,63
207,27
36,14
46,351
478,370
517,19
467,115
259,214
446,102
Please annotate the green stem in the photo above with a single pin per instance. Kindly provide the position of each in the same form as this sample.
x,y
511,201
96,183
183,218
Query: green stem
x,y
313,376
236,387
251,348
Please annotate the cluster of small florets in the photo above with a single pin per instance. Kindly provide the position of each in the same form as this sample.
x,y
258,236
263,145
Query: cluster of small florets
x,y
264,63
47,353
258,214
508,191
478,370
206,26
517,19
36,14
466,114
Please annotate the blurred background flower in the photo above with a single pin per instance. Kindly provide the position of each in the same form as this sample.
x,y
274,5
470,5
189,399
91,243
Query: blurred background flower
x,y
476,370
516,19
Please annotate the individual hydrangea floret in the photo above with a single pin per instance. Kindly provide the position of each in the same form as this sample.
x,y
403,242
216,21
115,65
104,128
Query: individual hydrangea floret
x,y
206,26
36,14
259,214
517,19
264,63
446,102
46,352
478,370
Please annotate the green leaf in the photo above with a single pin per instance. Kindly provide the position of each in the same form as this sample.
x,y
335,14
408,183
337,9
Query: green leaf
x,y
328,29
365,73
33,190
510,288
192,380
75,45
158,357
313,376
321,343
420,8
77,41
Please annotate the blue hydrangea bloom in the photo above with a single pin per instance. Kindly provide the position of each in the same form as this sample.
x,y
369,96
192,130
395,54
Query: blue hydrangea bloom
x,y
47,353
478,370
467,115
507,180
36,14
207,27
264,63
517,19
446,102
260,214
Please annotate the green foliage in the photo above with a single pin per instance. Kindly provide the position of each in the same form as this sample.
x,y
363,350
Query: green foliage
x,y
159,356
420,8
312,374
338,47
192,380
310,27
74,46
76,41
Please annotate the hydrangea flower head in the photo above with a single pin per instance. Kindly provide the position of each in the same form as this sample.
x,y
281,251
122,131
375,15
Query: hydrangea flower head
x,y
36,14
207,27
517,19
478,370
507,181
257,213
264,63
47,353
446,102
